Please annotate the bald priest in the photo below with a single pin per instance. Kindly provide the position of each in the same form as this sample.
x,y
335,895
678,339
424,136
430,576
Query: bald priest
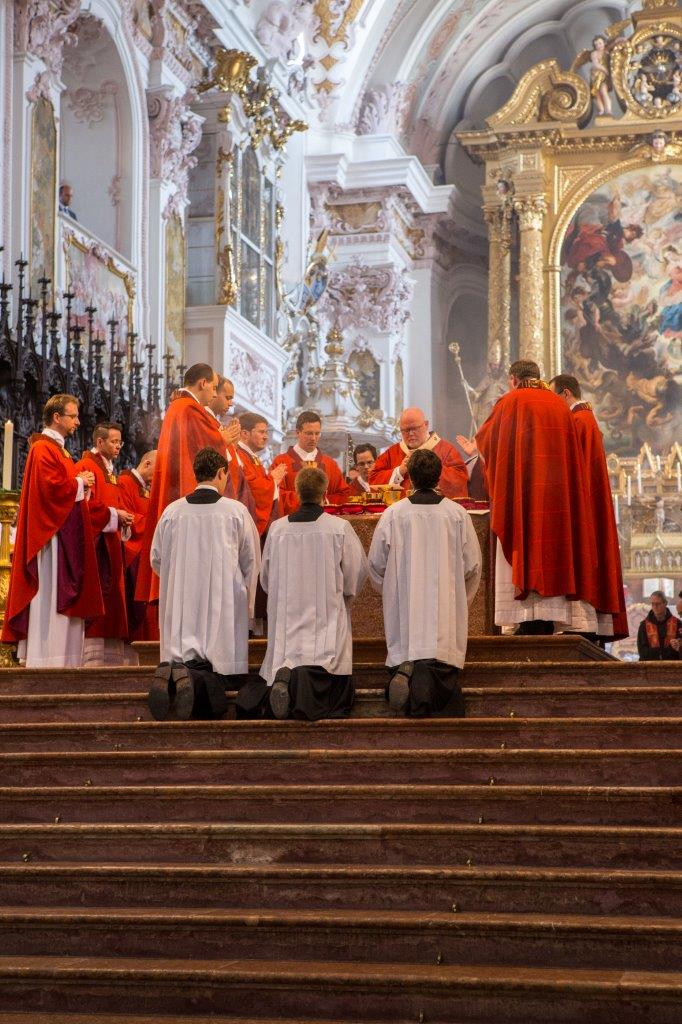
x,y
391,466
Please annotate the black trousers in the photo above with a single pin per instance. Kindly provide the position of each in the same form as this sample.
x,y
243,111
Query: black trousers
x,y
434,690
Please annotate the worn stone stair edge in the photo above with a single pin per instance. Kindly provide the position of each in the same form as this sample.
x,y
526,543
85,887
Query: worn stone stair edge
x,y
500,921
307,791
333,872
346,974
280,830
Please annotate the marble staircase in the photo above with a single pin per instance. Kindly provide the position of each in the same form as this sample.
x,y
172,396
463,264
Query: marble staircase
x,y
520,866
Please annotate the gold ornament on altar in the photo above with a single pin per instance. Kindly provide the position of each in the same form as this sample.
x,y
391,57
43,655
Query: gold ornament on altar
x,y
232,72
9,508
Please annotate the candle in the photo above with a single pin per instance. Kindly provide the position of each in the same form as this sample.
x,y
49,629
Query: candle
x,y
7,456
639,478
679,477
616,509
658,463
629,489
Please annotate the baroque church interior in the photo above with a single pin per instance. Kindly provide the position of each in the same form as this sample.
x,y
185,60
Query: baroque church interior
x,y
355,208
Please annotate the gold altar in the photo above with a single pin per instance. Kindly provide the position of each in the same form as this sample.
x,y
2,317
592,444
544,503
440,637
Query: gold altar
x,y
367,615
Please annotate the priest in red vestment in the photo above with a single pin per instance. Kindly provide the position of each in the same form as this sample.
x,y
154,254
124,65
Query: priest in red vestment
x,y
264,484
546,558
54,583
391,466
219,406
106,637
133,486
306,453
187,428
364,459
612,616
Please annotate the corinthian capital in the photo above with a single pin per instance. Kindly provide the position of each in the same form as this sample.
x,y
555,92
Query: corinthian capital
x,y
531,211
44,27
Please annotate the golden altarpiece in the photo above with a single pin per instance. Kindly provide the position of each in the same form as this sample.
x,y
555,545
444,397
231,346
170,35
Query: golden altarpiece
x,y
583,187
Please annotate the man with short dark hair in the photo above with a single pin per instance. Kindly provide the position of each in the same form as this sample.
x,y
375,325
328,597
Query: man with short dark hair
x,y
391,466
364,457
306,453
612,619
425,560
660,634
187,428
264,485
309,658
206,553
133,488
107,636
54,584
546,559
219,407
66,199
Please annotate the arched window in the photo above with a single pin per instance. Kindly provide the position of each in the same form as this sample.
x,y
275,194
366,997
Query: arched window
x,y
253,227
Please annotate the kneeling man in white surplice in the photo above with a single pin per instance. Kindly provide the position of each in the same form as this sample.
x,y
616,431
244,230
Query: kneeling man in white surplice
x,y
425,560
206,552
313,568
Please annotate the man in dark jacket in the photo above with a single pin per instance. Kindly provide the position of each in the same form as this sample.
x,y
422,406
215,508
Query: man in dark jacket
x,y
660,634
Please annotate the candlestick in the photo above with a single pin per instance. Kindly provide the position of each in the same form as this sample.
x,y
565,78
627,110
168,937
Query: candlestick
x,y
7,456
639,478
629,488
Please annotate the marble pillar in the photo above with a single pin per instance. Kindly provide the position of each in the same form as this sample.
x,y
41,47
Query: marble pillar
x,y
531,211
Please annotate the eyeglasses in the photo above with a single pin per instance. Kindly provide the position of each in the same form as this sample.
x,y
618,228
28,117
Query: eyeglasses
x,y
69,415
411,430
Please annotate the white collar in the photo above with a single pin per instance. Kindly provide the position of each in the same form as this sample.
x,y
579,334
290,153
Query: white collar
x,y
249,451
206,487
138,477
305,456
210,412
109,465
55,435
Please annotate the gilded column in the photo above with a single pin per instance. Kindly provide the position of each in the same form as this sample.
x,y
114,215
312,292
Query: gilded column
x,y
498,219
531,211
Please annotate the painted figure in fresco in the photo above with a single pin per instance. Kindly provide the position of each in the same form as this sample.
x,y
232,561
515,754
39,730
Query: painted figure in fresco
x,y
590,245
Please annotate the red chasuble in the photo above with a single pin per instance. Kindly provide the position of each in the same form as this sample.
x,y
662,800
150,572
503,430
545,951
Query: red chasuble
x,y
237,481
143,618
262,488
109,548
337,492
186,429
454,480
48,506
610,597
536,481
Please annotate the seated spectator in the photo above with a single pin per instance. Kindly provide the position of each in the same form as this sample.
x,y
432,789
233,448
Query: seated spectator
x,y
425,560
660,634
207,554
65,200
313,568
364,457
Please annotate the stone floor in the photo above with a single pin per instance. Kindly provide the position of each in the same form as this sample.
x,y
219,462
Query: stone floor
x,y
522,865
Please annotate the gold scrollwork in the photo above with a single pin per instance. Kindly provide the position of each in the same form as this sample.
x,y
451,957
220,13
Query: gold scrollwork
x,y
545,93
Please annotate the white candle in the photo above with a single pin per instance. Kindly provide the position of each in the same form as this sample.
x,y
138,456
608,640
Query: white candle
x,y
679,477
7,456
658,463
629,489
616,509
639,478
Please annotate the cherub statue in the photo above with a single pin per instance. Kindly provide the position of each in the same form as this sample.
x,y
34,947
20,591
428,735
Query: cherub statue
x,y
307,294
643,90
600,75
675,94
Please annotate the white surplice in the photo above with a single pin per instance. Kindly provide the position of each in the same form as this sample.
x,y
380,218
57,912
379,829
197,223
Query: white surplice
x,y
425,560
207,557
311,572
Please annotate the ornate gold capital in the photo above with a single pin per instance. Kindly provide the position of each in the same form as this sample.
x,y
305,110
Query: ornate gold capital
x,y
531,212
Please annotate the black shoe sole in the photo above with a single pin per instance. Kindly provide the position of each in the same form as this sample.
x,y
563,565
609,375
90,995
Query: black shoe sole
x,y
184,692
399,687
159,699
280,702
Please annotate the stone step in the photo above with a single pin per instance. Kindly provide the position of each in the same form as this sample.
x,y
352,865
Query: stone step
x,y
370,886
439,734
354,992
450,845
596,805
399,937
125,1018
355,766
482,701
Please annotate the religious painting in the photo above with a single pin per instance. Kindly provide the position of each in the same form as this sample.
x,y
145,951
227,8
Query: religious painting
x,y
621,307
43,193
96,279
175,289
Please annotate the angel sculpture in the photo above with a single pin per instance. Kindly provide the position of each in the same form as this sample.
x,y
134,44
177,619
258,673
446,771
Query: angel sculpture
x,y
599,61
308,293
